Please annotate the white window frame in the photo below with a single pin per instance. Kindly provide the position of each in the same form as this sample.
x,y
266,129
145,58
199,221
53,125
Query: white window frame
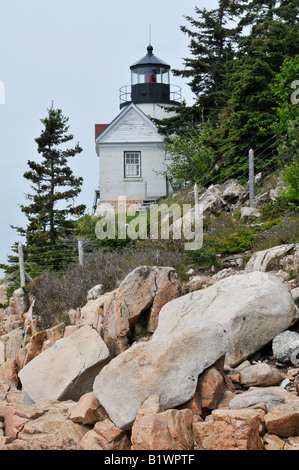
x,y
132,164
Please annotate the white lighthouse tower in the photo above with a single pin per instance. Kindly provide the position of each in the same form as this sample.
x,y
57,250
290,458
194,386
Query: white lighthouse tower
x,y
131,151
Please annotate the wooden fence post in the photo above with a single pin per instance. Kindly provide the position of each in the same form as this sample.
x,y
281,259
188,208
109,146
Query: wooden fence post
x,y
21,264
80,252
251,177
196,199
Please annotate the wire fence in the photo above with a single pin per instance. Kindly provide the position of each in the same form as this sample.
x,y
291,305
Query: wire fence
x,y
67,252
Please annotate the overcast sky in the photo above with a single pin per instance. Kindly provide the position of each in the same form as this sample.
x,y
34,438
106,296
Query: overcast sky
x,y
77,54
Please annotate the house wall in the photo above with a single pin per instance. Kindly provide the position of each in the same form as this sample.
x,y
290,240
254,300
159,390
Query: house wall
x,y
155,110
112,180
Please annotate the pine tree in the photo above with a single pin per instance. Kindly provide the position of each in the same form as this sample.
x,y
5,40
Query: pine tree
x,y
251,107
51,210
213,37
212,44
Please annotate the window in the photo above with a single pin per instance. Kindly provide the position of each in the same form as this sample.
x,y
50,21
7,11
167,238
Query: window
x,y
132,164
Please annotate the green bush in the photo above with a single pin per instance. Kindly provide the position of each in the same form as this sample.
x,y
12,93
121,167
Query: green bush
x,y
291,178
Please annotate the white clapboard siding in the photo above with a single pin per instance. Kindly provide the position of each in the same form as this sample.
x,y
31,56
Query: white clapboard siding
x,y
132,125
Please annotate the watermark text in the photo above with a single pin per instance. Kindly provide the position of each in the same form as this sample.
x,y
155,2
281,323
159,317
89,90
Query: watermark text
x,y
159,222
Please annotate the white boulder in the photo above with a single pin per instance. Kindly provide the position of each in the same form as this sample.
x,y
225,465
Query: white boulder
x,y
67,370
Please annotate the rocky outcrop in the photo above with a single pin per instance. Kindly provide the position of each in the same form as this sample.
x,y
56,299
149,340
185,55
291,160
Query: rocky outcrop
x,y
133,306
44,426
143,368
67,369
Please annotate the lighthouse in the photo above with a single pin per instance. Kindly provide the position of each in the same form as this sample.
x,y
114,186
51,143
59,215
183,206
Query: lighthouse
x,y
130,149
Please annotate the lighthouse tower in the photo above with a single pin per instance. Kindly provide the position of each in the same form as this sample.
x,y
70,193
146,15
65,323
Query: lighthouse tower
x,y
131,151
150,86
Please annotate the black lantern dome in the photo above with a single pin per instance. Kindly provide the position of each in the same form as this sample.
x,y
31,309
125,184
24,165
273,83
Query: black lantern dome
x,y
150,81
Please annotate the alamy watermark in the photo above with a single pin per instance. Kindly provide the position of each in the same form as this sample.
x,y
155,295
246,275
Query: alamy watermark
x,y
2,92
295,357
295,94
160,222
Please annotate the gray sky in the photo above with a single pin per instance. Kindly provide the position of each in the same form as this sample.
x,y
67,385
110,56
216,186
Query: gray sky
x,y
76,53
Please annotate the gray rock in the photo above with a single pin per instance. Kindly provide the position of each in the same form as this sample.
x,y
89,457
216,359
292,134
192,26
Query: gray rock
x,y
242,304
249,213
295,295
167,366
286,347
262,375
232,192
271,396
67,370
261,260
95,292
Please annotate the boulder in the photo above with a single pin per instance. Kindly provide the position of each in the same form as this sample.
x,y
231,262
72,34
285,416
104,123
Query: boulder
x,y
88,410
156,429
93,312
262,375
105,436
34,347
53,334
210,388
285,347
21,301
229,430
283,420
273,442
232,192
290,263
250,213
295,295
10,345
242,304
167,366
67,369
197,282
264,260
270,396
95,292
3,300
144,291
8,372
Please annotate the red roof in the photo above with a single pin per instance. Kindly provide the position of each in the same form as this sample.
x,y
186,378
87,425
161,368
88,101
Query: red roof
x,y
99,128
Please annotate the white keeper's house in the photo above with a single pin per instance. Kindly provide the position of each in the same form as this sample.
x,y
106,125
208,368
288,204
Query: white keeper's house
x,y
131,151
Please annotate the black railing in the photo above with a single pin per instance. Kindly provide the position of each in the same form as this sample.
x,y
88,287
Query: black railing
x,y
125,95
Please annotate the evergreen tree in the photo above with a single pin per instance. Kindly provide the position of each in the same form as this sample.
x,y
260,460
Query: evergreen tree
x,y
51,208
231,74
212,47
250,109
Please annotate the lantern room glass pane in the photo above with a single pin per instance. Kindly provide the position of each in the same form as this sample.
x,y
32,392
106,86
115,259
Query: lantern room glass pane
x,y
150,75
165,76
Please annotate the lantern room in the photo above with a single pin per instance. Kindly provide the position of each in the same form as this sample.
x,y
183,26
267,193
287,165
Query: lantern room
x,y
150,83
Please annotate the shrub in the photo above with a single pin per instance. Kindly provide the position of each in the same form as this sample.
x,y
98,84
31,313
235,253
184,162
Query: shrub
x,y
56,294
